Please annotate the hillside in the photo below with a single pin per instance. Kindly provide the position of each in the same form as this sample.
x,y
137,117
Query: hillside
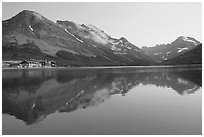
x,y
191,57
29,35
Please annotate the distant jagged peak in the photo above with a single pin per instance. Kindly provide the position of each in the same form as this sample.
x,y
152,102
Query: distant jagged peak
x,y
183,37
124,40
188,39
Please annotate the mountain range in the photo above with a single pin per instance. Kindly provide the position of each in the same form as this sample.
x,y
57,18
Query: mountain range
x,y
29,35
168,51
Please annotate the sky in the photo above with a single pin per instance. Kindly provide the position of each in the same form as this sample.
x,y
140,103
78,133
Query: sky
x,y
143,24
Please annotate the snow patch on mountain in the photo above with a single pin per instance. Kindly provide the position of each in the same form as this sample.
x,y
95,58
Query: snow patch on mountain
x,y
115,48
187,39
184,38
98,31
191,41
30,28
113,42
73,36
157,54
79,26
182,49
97,38
95,34
121,41
33,105
163,58
129,48
107,58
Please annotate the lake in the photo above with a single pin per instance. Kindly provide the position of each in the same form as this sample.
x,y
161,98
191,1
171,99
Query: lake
x,y
102,101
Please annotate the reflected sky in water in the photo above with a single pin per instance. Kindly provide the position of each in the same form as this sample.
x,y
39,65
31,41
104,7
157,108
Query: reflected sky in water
x,y
102,101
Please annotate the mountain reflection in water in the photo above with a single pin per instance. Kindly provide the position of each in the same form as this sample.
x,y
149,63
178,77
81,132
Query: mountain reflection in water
x,y
31,95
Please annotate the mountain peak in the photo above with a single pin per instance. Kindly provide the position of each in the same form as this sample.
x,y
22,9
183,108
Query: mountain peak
x,y
124,40
167,51
188,39
183,37
32,13
27,14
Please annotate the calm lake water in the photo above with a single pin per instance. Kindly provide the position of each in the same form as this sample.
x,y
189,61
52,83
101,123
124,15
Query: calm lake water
x,y
102,101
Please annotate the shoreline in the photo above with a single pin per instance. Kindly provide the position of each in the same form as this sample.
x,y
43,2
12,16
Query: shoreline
x,y
103,67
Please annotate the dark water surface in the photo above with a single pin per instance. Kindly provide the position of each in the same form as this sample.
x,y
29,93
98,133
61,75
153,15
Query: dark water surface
x,y
102,101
